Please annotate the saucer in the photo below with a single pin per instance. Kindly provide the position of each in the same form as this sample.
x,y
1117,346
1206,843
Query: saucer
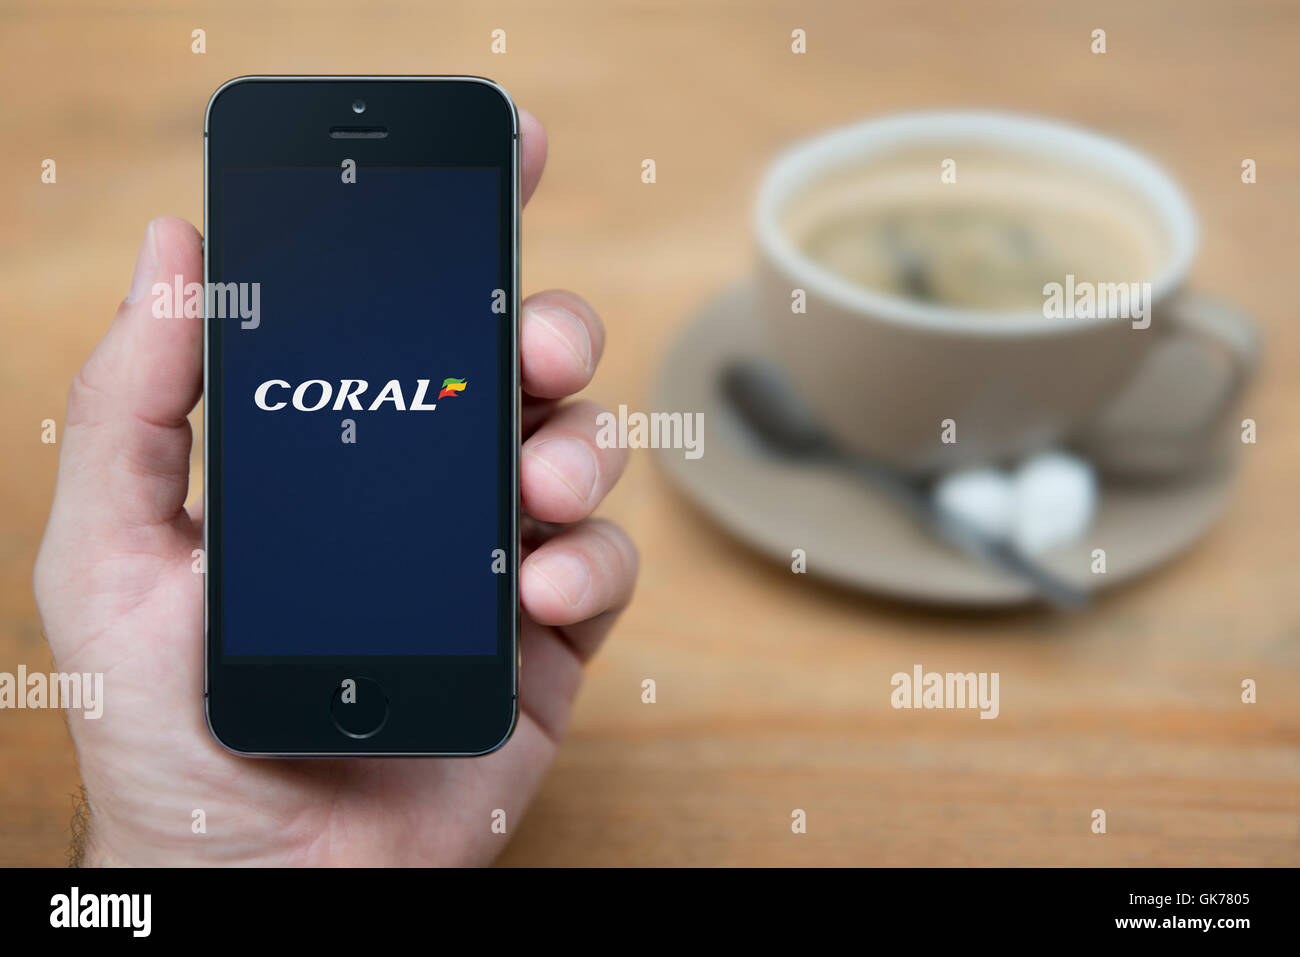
x,y
854,534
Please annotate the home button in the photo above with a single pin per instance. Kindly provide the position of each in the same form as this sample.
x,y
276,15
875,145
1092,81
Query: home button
x,y
359,707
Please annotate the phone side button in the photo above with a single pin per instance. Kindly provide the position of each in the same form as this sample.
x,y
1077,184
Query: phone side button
x,y
359,707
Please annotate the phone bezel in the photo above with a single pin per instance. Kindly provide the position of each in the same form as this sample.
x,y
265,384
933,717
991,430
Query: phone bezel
x,y
440,705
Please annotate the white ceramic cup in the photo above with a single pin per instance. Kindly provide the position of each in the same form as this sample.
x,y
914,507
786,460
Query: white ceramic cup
x,y
884,373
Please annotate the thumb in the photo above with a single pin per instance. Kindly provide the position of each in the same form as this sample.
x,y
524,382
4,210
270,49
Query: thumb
x,y
125,456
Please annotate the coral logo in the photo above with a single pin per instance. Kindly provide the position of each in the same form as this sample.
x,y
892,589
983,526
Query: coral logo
x,y
451,387
317,394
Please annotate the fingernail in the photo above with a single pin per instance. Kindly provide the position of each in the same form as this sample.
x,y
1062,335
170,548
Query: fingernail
x,y
566,573
572,461
570,330
146,267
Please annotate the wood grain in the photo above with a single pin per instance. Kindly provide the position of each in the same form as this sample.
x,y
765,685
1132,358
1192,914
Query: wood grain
x,y
772,689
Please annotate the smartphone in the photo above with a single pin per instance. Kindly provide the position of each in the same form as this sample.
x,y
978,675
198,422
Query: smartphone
x,y
361,415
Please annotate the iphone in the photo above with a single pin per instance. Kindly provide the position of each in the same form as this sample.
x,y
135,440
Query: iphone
x,y
361,415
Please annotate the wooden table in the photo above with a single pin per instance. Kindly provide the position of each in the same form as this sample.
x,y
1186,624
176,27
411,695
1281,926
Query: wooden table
x,y
772,689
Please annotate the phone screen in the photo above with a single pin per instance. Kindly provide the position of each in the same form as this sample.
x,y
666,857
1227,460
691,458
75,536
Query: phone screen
x,y
360,434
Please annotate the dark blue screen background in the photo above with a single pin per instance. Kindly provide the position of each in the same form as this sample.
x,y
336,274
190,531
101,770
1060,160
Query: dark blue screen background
x,y
382,547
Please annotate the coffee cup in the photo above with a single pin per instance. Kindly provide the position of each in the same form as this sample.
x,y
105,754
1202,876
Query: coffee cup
x,y
949,289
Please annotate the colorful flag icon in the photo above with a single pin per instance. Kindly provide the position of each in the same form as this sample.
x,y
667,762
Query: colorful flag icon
x,y
451,387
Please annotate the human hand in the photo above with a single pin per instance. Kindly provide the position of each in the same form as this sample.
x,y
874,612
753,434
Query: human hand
x,y
117,596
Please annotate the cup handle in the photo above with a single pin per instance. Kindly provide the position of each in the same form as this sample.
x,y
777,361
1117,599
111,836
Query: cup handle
x,y
1145,451
1220,325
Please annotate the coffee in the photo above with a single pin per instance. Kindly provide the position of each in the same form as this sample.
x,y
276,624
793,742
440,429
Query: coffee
x,y
989,241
